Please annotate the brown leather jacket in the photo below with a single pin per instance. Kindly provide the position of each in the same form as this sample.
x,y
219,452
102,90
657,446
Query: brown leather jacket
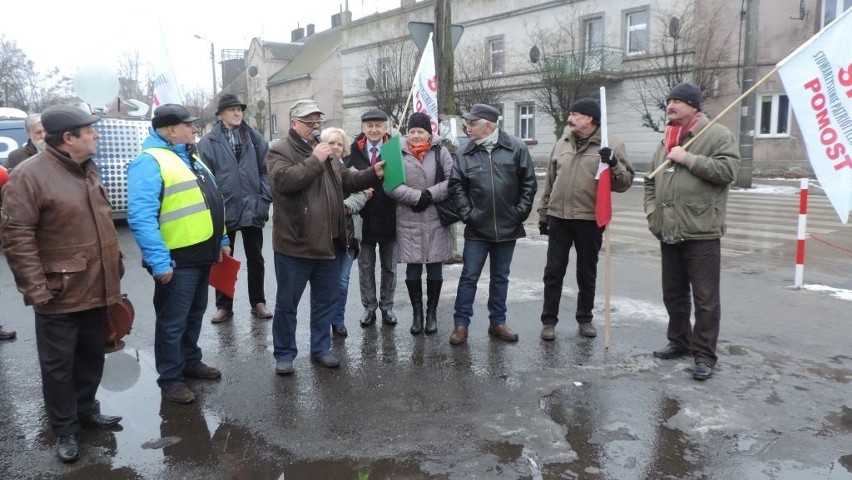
x,y
60,242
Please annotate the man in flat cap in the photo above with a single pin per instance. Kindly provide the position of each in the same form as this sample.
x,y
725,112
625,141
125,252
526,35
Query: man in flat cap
x,y
309,231
236,154
493,186
379,224
567,211
63,250
685,205
177,215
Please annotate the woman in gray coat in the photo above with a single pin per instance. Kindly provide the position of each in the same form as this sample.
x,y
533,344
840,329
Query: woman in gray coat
x,y
421,239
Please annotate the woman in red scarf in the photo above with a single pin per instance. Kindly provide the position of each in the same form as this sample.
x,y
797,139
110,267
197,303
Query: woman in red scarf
x,y
421,239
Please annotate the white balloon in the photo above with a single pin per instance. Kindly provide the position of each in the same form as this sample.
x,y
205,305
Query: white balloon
x,y
96,85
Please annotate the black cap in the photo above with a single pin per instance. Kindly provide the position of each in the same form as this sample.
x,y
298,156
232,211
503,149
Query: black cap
x,y
374,115
482,111
587,106
229,100
64,118
420,120
171,114
686,93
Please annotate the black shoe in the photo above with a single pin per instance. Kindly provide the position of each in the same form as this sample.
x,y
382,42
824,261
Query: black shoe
x,y
339,330
702,371
671,351
388,317
67,448
101,421
328,360
368,318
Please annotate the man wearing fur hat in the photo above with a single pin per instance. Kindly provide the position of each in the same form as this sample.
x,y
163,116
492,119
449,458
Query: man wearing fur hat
x,y
685,205
567,211
236,154
379,228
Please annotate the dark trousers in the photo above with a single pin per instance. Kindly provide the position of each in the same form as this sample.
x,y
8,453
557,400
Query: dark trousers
x,y
696,265
71,356
253,243
367,275
585,236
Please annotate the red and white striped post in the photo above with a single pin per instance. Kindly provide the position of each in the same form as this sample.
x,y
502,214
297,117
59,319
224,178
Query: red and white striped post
x,y
800,239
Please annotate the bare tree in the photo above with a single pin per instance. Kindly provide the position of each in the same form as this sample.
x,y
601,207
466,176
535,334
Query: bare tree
x,y
690,50
388,75
567,67
23,87
201,103
474,81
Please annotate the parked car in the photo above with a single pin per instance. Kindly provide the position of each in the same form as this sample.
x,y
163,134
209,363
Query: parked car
x,y
13,133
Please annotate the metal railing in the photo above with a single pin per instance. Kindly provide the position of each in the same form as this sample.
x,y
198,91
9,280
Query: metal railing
x,y
601,60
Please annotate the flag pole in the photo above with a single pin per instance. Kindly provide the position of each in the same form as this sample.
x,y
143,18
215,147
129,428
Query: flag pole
x,y
716,118
607,258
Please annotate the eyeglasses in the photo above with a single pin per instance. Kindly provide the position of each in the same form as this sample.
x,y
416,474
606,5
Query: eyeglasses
x,y
315,123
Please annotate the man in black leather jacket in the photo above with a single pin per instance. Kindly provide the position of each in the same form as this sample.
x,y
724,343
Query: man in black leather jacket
x,y
493,186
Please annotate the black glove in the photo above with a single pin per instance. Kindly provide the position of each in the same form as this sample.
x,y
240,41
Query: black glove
x,y
425,201
542,228
607,158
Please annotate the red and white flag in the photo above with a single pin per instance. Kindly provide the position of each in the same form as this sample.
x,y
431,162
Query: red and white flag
x,y
166,88
424,92
603,198
818,80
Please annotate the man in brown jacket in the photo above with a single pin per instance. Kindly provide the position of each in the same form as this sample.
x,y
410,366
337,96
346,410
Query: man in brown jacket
x,y
63,250
308,231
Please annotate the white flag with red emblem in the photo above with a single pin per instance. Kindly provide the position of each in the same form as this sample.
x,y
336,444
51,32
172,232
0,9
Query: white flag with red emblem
x,y
818,80
166,88
424,92
603,198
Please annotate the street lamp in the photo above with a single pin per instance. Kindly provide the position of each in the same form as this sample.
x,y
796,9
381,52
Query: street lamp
x,y
212,61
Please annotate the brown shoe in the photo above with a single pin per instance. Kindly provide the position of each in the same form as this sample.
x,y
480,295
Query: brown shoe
x,y
260,311
179,394
459,335
204,372
4,335
502,332
222,315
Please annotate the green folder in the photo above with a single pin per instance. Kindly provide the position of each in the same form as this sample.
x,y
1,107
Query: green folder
x,y
394,166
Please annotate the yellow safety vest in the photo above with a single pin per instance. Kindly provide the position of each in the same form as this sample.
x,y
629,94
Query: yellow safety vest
x,y
185,218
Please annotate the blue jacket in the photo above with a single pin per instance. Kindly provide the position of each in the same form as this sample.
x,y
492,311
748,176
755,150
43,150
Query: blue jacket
x,y
144,191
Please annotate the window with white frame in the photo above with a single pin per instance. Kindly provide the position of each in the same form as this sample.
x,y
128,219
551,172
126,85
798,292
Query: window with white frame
x,y
636,36
526,121
499,107
832,9
773,115
497,55
274,124
384,73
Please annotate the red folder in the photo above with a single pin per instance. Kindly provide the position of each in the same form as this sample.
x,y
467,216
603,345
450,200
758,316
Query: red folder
x,y
223,275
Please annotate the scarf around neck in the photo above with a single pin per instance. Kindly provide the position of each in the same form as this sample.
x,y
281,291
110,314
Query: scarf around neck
x,y
676,133
419,151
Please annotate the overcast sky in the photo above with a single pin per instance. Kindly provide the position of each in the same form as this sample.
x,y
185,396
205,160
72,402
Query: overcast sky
x,y
71,35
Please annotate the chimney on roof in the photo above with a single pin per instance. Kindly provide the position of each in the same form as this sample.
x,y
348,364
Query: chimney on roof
x,y
310,30
297,34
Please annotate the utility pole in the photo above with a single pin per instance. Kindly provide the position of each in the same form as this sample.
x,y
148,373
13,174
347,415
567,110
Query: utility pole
x,y
748,105
444,58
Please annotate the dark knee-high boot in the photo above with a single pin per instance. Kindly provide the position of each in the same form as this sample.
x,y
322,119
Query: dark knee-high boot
x,y
415,293
433,294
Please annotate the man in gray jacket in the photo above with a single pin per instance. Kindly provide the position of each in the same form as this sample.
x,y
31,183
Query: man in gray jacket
x,y
493,186
567,211
685,205
236,154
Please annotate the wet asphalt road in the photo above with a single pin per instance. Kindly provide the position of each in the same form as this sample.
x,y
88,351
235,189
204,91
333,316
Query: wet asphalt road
x,y
409,407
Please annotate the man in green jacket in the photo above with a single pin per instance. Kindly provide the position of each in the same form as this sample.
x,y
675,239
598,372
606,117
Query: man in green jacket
x,y
685,205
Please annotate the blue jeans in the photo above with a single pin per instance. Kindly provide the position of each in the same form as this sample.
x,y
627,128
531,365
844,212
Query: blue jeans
x,y
346,260
293,274
474,255
180,306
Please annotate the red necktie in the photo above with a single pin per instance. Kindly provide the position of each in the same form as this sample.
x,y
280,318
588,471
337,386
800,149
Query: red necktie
x,y
374,155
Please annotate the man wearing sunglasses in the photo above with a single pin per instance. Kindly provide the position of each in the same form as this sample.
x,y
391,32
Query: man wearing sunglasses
x,y
308,231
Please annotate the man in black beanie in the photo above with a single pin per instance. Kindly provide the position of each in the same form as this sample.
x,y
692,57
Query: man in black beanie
x,y
567,211
685,206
